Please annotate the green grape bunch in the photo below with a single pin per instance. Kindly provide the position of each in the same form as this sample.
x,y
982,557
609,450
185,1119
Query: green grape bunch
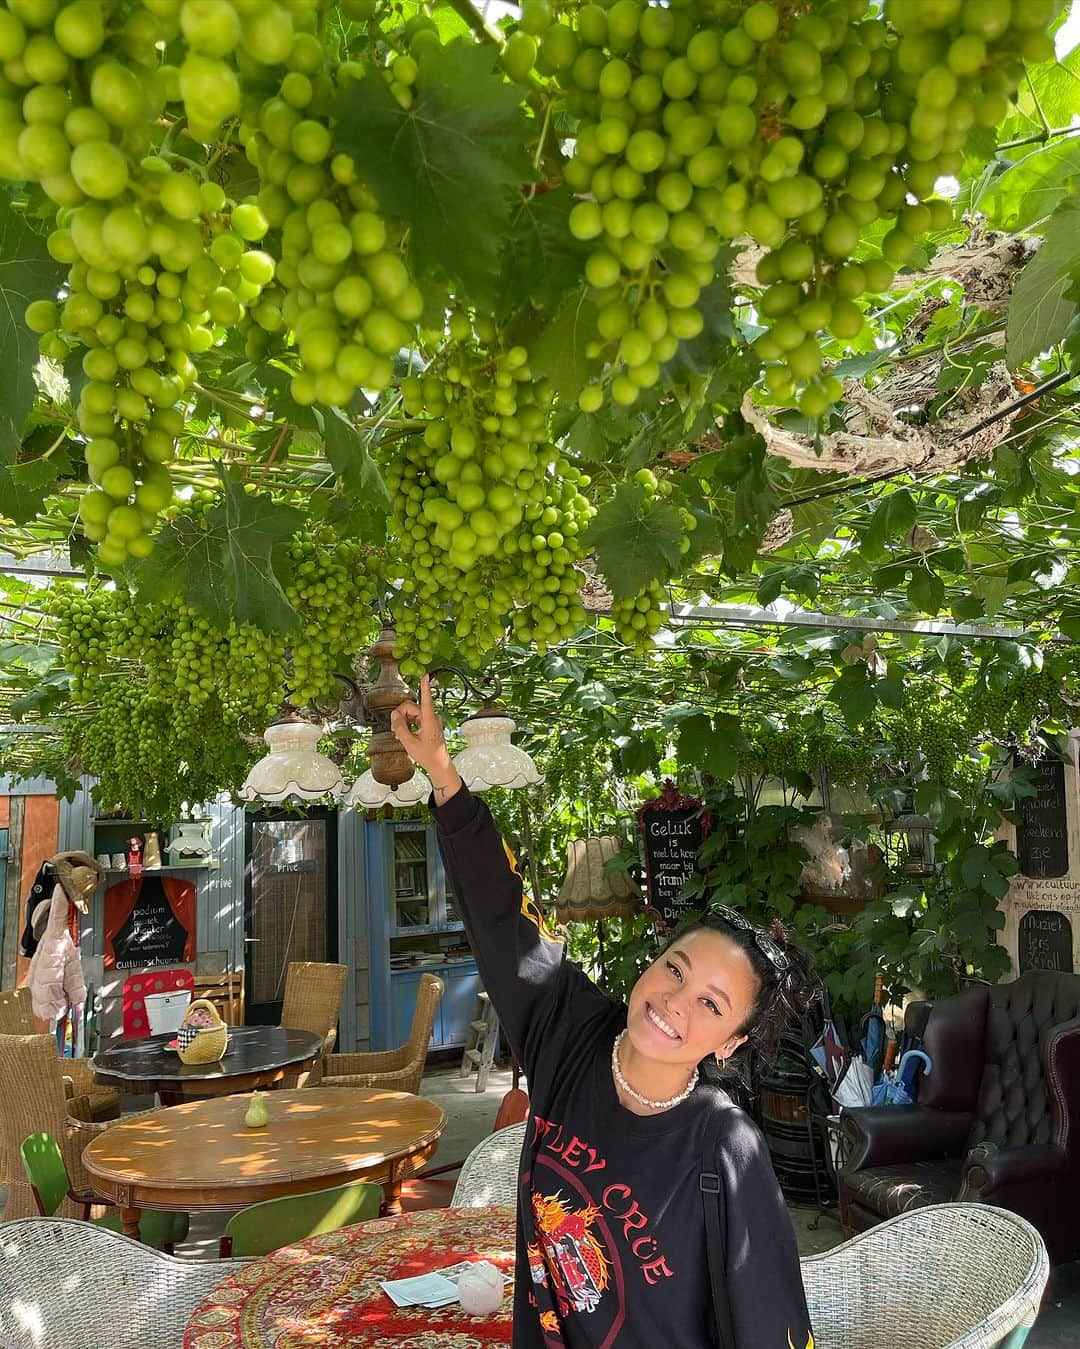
x,y
173,703
162,262
710,121
488,515
160,259
345,296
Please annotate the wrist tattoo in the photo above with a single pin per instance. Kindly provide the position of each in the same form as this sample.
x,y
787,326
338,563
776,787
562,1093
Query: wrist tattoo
x,y
440,792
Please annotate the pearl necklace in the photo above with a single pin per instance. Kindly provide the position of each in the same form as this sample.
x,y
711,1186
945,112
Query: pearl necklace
x,y
628,1090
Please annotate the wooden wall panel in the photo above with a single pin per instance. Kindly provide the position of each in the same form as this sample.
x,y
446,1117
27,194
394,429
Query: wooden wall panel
x,y
13,896
40,839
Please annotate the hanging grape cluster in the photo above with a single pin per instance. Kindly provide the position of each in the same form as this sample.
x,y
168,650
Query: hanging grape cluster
x,y
344,292
707,121
1014,709
159,257
488,515
161,260
176,703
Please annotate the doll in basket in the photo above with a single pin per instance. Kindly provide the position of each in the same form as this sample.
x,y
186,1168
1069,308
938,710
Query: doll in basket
x,y
203,1035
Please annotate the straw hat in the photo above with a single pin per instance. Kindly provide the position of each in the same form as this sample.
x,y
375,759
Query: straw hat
x,y
79,874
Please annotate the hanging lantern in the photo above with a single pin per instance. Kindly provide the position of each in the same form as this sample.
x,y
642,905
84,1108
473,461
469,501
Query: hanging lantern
x,y
490,758
912,835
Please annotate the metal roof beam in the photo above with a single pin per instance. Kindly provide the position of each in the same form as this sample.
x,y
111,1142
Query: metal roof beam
x,y
791,616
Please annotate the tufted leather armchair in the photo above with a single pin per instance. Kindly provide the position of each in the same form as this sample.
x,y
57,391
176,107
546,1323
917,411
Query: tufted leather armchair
x,y
997,1121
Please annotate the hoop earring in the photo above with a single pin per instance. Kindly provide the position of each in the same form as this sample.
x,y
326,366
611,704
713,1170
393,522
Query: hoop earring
x,y
720,1063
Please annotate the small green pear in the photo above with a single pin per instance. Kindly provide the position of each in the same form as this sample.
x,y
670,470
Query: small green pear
x,y
257,1117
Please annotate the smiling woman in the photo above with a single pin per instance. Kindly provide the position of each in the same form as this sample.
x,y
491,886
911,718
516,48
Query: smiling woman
x,y
627,1138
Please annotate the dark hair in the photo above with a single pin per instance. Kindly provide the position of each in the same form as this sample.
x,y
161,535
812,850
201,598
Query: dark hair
x,y
783,995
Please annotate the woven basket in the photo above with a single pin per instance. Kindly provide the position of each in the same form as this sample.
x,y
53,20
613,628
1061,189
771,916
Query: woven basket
x,y
202,1044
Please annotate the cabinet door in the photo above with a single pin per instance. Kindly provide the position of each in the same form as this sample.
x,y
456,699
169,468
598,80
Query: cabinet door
x,y
404,989
414,891
458,1004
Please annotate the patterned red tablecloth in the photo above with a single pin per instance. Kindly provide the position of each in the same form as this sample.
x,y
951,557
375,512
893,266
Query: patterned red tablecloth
x,y
325,1291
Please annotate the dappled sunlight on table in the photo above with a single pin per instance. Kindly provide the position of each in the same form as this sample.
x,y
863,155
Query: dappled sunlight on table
x,y
312,1134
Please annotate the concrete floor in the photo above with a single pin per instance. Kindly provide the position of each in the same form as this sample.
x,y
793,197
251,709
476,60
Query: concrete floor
x,y
470,1116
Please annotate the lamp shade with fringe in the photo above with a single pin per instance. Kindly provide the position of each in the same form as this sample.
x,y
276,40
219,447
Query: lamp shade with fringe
x,y
367,794
294,766
490,758
590,892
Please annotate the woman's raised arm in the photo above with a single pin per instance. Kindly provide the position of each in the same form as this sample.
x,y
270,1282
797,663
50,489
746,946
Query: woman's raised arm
x,y
518,959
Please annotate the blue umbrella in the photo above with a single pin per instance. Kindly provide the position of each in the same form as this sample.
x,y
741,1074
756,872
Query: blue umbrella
x,y
872,1030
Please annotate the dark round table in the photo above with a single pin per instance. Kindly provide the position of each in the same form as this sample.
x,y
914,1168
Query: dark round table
x,y
257,1056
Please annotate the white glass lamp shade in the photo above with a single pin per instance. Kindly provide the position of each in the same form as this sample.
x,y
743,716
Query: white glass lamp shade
x,y
294,767
489,759
367,794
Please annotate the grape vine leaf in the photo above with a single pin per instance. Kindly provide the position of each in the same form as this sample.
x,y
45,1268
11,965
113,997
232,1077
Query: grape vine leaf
x,y
892,518
450,165
558,353
1041,309
636,539
24,487
38,658
854,694
1034,187
1050,91
791,667
47,696
926,591
542,259
27,273
368,500
226,564
255,526
713,744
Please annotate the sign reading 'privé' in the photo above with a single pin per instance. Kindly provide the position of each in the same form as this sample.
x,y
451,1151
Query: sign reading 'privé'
x,y
672,828
1042,836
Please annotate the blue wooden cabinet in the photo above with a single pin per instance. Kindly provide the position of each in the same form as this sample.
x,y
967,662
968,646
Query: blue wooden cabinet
x,y
411,910
456,1008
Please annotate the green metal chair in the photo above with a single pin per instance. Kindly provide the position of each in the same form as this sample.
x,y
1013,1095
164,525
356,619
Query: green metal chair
x,y
49,1180
267,1227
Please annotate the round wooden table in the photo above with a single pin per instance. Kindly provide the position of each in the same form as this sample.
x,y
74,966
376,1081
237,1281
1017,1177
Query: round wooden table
x,y
202,1156
323,1293
256,1057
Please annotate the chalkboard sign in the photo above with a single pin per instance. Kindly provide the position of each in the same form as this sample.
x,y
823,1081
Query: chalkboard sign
x,y
1045,941
1042,836
672,828
152,933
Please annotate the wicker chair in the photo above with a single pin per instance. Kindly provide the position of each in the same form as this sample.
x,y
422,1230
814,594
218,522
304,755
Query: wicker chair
x,y
489,1174
432,1188
397,1069
948,1276
34,1101
312,1002
68,1285
17,1018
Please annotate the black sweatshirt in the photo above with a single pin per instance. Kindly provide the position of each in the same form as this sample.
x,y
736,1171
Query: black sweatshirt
x,y
611,1227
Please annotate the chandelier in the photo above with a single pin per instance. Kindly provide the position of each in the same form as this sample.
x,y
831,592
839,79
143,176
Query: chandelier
x,y
295,767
